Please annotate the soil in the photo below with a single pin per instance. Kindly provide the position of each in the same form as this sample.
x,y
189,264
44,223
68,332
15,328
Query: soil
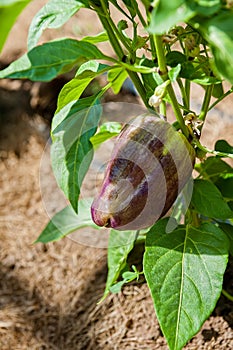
x,y
49,293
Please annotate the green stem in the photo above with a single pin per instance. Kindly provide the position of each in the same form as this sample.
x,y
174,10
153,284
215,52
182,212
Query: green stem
x,y
115,30
140,16
227,295
191,218
176,110
187,90
119,34
206,150
144,24
151,37
139,69
164,75
120,53
139,86
153,48
112,38
162,109
160,56
133,75
183,94
221,98
206,102
121,10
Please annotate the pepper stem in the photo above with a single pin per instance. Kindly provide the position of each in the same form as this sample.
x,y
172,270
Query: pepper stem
x,y
170,90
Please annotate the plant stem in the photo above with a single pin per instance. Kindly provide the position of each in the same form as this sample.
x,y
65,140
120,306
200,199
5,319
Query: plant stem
x,y
139,13
164,75
113,31
151,37
162,109
139,86
139,69
121,10
206,150
206,102
112,38
153,50
187,90
176,110
118,33
120,53
183,94
221,98
191,218
160,56
227,295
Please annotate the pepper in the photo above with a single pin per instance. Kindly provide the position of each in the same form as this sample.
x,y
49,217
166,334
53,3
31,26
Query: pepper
x,y
150,164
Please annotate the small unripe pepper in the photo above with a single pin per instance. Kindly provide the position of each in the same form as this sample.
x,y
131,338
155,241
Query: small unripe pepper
x,y
150,164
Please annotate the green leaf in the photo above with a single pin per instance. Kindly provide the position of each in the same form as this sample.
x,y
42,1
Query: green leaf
x,y
8,3
201,78
225,186
180,206
230,203
166,14
72,151
159,228
218,31
149,80
122,25
92,66
228,229
52,15
173,58
116,288
213,168
149,83
129,275
9,11
218,90
119,246
174,72
45,62
205,7
223,146
117,77
75,87
187,70
184,271
67,221
98,38
105,132
208,200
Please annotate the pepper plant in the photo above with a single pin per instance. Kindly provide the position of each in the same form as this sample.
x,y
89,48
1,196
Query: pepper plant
x,y
184,42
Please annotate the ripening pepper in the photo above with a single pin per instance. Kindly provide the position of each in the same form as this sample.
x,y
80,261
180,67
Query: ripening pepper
x,y
150,164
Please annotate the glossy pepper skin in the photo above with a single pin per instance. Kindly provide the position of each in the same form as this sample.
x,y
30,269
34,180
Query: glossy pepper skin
x,y
149,166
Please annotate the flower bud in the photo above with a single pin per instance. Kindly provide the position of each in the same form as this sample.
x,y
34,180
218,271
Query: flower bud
x,y
159,93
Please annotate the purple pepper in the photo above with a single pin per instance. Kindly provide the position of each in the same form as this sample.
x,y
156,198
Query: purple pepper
x,y
149,166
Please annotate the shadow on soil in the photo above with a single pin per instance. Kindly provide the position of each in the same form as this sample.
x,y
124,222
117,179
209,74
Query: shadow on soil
x,y
56,330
